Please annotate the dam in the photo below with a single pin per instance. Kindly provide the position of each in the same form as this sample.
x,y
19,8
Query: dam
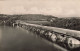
x,y
69,39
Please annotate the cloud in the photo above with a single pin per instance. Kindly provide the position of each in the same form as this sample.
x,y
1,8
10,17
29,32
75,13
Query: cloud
x,y
14,10
50,7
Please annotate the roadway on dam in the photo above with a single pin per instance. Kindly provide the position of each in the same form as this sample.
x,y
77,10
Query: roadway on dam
x,y
19,39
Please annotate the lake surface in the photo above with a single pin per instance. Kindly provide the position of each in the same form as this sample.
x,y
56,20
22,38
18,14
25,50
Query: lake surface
x,y
18,39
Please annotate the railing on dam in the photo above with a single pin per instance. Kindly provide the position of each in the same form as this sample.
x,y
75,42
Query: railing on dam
x,y
64,37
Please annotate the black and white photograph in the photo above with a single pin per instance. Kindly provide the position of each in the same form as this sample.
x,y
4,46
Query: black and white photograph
x,y
39,25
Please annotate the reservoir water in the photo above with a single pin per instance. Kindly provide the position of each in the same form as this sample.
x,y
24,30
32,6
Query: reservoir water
x,y
18,39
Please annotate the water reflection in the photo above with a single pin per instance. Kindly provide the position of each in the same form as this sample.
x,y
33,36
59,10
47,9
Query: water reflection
x,y
18,39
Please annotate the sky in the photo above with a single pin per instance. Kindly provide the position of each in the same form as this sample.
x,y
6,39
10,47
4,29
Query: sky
x,y
59,8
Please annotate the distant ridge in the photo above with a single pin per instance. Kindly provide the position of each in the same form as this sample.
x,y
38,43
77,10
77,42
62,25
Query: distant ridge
x,y
29,17
71,17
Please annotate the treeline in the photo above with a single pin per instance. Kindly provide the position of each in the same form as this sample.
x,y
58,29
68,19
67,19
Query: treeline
x,y
3,17
72,23
35,17
28,17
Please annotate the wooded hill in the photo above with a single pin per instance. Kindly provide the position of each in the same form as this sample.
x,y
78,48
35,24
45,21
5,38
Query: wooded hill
x,y
28,17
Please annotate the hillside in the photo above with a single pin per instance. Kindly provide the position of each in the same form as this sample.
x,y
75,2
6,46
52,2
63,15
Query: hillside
x,y
29,17
35,17
68,23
